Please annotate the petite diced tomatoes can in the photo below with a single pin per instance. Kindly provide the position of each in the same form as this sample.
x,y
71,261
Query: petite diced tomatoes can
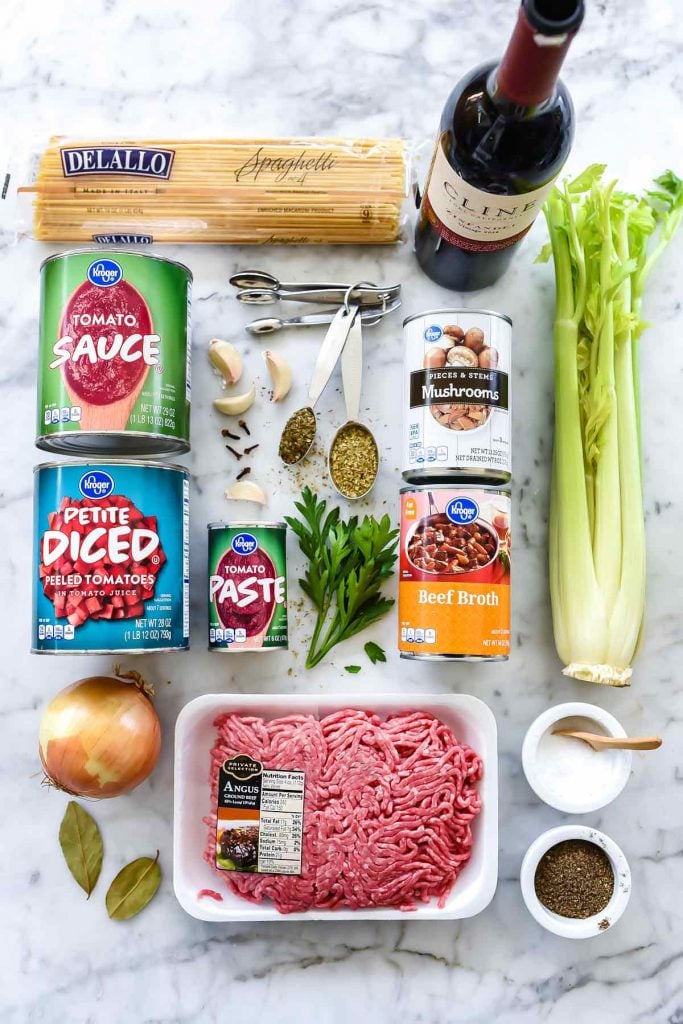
x,y
111,558
454,582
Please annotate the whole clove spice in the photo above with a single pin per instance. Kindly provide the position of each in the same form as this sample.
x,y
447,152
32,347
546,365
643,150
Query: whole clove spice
x,y
250,449
574,879
233,451
229,433
243,472
245,428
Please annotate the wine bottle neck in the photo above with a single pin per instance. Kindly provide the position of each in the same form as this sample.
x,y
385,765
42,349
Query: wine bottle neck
x,y
528,73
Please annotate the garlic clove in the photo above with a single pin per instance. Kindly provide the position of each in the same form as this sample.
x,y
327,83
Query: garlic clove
x,y
246,490
280,374
233,405
226,359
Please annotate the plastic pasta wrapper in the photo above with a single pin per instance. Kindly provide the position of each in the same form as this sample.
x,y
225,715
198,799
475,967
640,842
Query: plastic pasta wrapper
x,y
295,191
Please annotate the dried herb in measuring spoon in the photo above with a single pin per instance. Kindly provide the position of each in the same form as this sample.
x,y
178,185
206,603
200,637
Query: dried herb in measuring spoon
x,y
574,879
354,455
297,437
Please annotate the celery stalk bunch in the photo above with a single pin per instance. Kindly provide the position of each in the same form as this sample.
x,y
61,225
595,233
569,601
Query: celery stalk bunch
x,y
604,243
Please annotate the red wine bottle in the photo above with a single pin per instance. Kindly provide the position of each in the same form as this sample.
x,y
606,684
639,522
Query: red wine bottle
x,y
506,131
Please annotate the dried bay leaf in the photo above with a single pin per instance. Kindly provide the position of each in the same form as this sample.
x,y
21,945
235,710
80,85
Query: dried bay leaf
x,y
81,843
133,888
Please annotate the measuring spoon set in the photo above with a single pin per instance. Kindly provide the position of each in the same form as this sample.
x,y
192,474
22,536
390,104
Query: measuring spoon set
x,y
360,304
256,287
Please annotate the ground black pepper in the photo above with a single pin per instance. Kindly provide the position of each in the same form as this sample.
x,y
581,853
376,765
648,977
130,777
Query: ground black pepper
x,y
574,879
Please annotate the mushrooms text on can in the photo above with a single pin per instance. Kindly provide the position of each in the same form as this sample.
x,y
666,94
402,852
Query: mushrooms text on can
x,y
456,421
454,582
111,558
247,587
114,356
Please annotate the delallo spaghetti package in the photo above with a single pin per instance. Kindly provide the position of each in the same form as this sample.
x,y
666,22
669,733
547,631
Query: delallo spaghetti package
x,y
241,191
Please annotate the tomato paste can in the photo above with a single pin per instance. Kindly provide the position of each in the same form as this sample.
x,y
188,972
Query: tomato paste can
x,y
247,587
456,422
454,573
111,558
114,355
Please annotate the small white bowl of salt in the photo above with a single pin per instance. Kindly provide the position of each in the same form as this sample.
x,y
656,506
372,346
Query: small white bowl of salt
x,y
565,772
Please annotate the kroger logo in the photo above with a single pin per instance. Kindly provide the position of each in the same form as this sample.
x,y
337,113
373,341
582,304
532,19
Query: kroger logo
x,y
433,333
96,484
462,510
244,543
104,273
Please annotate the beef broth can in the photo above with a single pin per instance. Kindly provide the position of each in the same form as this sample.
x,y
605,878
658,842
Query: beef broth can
x,y
457,396
247,587
454,582
114,355
111,558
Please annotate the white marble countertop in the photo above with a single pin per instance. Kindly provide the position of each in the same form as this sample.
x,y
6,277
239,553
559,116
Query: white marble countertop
x,y
333,68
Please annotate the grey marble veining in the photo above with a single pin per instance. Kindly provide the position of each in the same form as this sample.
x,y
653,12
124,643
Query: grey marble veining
x,y
333,68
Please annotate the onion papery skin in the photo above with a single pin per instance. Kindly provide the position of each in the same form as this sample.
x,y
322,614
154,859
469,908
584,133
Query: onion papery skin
x,y
99,737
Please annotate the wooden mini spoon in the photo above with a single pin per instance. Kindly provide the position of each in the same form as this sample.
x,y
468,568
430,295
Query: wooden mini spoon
x,y
599,742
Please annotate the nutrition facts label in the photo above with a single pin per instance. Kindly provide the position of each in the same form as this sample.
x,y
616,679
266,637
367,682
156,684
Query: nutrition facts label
x,y
260,817
281,825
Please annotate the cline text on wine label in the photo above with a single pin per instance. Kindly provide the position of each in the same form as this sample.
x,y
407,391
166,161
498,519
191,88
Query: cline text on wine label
x,y
473,219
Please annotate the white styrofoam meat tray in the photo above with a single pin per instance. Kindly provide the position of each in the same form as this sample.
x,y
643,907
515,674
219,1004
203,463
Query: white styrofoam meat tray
x,y
470,719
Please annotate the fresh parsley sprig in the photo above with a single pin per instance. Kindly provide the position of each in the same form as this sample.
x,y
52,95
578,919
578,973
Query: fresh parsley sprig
x,y
347,564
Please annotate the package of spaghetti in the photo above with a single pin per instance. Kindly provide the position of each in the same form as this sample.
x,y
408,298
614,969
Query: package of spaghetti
x,y
238,191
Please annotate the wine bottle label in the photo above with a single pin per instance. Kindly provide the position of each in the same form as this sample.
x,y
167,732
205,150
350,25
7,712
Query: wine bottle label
x,y
472,219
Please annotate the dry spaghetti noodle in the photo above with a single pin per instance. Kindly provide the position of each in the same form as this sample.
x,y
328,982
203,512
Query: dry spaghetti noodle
x,y
241,191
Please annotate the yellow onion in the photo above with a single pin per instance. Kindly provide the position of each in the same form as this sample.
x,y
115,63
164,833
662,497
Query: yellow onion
x,y
101,736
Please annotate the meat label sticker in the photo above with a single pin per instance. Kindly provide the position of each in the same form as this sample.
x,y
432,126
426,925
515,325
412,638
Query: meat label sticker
x,y
259,820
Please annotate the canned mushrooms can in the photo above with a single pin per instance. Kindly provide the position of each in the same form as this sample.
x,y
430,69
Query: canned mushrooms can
x,y
454,582
247,587
457,396
114,355
111,558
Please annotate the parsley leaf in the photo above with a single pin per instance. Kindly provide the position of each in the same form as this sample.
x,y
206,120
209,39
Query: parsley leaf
x,y
374,652
347,565
353,669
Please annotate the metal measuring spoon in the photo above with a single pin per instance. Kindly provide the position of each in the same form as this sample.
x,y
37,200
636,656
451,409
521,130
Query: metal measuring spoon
x,y
330,350
261,279
371,295
352,371
269,324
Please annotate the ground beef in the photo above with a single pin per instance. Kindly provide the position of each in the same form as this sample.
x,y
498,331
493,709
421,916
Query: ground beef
x,y
388,807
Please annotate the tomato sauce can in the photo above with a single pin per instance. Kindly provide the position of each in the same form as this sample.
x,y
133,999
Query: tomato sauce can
x,y
454,573
111,558
247,587
457,401
114,355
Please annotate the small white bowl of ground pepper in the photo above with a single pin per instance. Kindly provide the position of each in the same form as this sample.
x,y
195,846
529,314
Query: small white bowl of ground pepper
x,y
575,881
